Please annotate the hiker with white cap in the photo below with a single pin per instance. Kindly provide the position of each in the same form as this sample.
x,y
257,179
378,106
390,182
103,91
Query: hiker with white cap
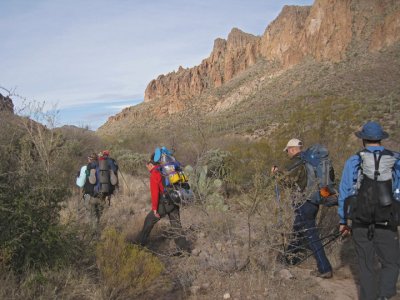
x,y
369,195
304,226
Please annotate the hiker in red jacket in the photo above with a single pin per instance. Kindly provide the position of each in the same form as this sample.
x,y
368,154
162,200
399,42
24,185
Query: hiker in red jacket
x,y
160,207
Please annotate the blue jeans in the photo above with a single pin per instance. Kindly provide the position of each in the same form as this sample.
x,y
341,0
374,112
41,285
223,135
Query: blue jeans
x,y
306,232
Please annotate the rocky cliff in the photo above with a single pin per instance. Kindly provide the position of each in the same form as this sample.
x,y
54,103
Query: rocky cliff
x,y
326,31
6,104
228,58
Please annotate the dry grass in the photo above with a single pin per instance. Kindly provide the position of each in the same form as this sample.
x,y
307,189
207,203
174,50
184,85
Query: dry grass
x,y
233,251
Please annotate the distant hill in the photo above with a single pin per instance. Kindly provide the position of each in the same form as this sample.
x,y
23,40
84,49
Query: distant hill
x,y
342,52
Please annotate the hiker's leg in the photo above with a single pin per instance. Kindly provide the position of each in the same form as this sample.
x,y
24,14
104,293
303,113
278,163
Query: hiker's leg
x,y
179,237
366,257
387,248
310,210
297,240
94,213
148,225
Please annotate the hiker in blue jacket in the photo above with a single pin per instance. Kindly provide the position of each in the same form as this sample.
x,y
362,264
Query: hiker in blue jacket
x,y
367,193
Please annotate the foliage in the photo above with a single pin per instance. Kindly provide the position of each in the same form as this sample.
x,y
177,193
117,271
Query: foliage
x,y
130,162
126,270
65,283
33,186
248,159
208,178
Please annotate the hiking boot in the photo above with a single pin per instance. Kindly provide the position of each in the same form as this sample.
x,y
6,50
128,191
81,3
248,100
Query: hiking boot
x,y
325,275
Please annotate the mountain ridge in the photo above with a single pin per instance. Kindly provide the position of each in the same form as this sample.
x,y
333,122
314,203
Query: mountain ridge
x,y
328,32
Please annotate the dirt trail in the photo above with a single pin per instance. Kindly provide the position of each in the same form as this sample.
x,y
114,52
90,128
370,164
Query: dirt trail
x,y
341,289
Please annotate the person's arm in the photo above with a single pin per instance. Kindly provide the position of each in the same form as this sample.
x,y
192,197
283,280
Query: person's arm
x,y
155,180
347,184
396,178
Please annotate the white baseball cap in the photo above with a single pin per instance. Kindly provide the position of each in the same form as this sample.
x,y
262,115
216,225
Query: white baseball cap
x,y
293,143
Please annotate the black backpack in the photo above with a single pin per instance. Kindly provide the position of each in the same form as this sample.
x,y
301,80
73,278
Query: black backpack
x,y
374,202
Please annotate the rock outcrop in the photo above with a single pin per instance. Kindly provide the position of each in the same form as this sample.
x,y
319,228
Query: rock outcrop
x,y
325,31
228,58
330,31
6,104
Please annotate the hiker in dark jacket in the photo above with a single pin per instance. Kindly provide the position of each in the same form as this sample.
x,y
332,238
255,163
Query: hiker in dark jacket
x,y
372,238
304,227
93,201
160,207
113,167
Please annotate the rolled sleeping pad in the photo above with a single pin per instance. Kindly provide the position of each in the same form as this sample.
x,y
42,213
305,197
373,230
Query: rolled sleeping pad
x,y
104,172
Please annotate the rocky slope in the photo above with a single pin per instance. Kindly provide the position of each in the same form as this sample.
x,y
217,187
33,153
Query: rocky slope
x,y
329,32
323,32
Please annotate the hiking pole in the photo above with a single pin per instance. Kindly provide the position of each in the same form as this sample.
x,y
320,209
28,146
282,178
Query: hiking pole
x,y
303,247
123,179
278,201
336,235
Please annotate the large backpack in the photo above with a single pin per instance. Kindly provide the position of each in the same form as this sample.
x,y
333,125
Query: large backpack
x,y
374,202
113,167
175,181
103,184
320,187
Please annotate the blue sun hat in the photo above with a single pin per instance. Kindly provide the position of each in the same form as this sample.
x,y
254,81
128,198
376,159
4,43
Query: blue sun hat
x,y
372,131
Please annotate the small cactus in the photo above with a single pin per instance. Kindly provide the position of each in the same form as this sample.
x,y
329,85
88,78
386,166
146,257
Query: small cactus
x,y
208,178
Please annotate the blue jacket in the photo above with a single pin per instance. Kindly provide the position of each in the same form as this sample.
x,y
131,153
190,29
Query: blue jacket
x,y
348,182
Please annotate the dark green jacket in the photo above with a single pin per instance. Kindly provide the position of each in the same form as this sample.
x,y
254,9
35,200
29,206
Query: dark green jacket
x,y
295,178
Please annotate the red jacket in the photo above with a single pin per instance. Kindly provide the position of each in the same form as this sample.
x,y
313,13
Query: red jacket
x,y
156,187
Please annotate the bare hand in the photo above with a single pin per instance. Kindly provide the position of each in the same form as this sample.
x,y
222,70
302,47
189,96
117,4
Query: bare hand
x,y
274,169
156,214
344,230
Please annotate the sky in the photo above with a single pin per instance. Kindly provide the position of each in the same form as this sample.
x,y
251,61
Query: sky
x,y
91,58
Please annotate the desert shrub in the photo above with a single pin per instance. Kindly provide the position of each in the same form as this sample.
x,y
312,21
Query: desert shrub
x,y
130,162
65,283
33,186
248,159
126,270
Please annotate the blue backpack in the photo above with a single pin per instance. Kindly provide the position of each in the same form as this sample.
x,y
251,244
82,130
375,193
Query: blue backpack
x,y
174,179
320,176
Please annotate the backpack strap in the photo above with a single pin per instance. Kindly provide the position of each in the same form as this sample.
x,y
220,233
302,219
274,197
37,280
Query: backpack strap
x,y
295,165
377,160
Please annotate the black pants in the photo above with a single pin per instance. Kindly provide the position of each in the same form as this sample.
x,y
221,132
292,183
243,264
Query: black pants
x,y
173,213
384,244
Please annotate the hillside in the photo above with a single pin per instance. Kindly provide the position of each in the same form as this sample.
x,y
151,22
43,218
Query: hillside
x,y
334,49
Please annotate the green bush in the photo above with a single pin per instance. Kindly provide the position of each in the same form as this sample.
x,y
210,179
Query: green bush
x,y
130,162
33,186
126,270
